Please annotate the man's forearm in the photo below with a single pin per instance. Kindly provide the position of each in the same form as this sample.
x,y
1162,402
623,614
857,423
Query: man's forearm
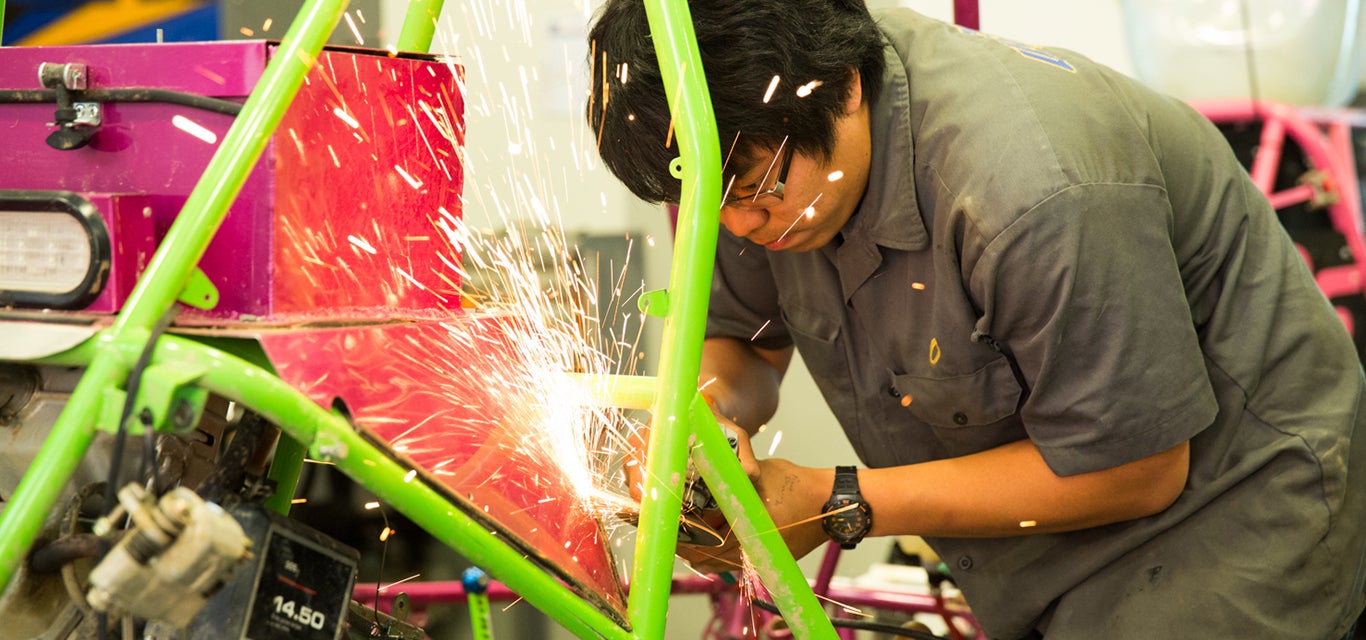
x,y
742,381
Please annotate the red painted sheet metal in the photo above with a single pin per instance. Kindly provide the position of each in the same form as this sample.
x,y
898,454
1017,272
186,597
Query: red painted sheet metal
x,y
367,164
454,400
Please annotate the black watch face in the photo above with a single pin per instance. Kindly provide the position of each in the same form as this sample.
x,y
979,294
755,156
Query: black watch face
x,y
847,524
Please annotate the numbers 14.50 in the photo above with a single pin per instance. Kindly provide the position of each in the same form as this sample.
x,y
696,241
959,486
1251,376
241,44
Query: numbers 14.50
x,y
299,613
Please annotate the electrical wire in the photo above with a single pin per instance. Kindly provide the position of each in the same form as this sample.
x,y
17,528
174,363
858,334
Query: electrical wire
x,y
111,492
111,496
133,94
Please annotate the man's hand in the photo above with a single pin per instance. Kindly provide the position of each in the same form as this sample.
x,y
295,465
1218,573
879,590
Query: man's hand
x,y
793,496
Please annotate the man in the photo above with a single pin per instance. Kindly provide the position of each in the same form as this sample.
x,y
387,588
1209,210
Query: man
x,y
1057,322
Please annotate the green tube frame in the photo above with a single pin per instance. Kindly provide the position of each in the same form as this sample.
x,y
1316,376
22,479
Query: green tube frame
x,y
680,65
419,25
681,418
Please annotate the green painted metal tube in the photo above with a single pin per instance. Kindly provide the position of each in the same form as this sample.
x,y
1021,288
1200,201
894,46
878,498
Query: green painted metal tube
x,y
624,392
332,438
165,278
680,65
757,533
285,468
419,24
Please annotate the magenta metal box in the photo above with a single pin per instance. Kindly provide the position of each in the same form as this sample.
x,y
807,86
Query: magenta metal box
x,y
341,217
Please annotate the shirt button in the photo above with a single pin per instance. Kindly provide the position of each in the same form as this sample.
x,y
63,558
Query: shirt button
x,y
965,562
960,418
892,391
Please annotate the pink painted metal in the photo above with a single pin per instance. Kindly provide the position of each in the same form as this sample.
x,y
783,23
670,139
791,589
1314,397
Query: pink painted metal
x,y
1331,153
452,399
132,241
966,14
338,222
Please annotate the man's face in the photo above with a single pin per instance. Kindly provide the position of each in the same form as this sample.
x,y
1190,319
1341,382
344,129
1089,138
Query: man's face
x,y
815,199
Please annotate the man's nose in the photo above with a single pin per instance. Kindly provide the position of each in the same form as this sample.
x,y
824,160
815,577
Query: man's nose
x,y
742,221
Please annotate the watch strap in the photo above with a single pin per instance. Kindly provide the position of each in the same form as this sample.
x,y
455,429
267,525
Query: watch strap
x,y
846,481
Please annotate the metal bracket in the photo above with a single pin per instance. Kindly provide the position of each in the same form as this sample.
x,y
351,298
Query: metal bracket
x,y
199,292
88,114
654,303
169,392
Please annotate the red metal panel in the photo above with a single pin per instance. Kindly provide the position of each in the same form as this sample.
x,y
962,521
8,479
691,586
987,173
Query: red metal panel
x,y
456,401
366,159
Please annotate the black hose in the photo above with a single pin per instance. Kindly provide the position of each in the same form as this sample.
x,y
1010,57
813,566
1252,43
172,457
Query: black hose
x,y
861,625
52,556
111,497
216,105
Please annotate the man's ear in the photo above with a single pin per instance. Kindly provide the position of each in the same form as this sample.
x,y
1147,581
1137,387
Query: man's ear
x,y
855,99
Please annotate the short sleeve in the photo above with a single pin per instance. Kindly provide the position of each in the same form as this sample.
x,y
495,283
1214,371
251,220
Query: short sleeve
x,y
1086,292
744,297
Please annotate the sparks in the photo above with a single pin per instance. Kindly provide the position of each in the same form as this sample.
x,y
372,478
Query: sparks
x,y
354,31
806,89
349,119
777,437
412,182
361,244
194,128
772,86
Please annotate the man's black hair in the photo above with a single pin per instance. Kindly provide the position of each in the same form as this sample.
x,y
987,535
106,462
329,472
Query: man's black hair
x,y
743,44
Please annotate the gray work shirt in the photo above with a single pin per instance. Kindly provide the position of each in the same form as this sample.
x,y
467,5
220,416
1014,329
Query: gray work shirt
x,y
1049,250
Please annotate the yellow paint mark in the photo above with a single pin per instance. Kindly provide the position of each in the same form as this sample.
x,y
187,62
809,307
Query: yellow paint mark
x,y
934,351
101,20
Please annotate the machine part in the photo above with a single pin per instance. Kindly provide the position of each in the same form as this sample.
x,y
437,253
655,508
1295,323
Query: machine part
x,y
18,383
366,623
48,601
71,75
696,495
57,250
170,393
178,554
476,584
296,586
65,79
88,114
229,476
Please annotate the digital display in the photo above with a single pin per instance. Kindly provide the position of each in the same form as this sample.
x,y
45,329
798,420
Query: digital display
x,y
301,593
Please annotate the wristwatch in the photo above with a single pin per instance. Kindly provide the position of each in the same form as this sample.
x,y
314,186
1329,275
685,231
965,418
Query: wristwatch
x,y
844,523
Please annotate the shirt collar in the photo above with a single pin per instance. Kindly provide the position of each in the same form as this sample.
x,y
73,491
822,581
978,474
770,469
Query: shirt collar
x,y
889,214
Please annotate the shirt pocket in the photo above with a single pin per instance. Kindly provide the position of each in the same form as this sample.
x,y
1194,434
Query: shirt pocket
x,y
983,397
821,342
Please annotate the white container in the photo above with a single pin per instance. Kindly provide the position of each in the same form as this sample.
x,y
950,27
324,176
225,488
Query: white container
x,y
1305,52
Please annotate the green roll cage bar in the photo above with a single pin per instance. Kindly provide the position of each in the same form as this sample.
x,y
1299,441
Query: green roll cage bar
x,y
245,377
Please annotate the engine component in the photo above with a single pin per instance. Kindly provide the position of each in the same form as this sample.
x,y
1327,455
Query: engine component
x,y
296,586
179,553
